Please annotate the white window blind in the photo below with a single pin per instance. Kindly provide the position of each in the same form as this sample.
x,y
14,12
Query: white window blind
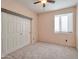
x,y
64,22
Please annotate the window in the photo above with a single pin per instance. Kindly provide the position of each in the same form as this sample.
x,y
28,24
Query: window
x,y
64,22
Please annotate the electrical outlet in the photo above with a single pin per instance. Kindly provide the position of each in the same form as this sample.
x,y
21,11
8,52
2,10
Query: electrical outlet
x,y
66,40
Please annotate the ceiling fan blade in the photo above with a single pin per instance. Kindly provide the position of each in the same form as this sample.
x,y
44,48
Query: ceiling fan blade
x,y
50,1
37,2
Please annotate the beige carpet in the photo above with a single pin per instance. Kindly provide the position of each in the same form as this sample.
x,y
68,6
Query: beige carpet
x,y
43,51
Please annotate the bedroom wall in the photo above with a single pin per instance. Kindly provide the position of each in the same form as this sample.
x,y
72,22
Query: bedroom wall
x,y
76,27
46,28
18,8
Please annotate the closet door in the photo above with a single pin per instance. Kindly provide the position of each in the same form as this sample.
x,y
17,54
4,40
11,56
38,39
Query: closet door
x,y
23,29
15,32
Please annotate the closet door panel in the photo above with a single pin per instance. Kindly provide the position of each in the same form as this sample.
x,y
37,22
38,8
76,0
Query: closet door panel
x,y
15,32
4,33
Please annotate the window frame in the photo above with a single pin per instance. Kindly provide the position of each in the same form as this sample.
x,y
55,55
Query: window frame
x,y
60,30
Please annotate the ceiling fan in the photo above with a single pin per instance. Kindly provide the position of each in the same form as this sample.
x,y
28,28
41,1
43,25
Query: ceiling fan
x,y
44,2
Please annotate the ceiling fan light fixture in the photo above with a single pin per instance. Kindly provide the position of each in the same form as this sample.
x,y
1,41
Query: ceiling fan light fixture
x,y
44,1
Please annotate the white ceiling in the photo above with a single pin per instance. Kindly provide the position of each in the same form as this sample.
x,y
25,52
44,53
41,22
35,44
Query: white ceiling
x,y
59,4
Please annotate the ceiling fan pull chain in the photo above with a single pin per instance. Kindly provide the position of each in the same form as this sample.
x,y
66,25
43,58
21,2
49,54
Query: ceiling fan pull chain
x,y
44,9
44,5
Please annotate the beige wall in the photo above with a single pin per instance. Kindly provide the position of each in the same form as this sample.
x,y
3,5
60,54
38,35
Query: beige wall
x,y
77,27
46,28
16,7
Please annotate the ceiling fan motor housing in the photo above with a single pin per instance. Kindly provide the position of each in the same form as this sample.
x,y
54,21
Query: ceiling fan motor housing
x,y
44,2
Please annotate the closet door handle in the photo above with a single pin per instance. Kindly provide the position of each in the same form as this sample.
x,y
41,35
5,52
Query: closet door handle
x,y
21,33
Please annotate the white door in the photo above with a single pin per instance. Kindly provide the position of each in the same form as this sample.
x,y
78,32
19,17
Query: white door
x,y
15,32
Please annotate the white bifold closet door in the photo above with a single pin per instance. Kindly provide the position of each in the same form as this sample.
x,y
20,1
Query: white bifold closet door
x,y
15,32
